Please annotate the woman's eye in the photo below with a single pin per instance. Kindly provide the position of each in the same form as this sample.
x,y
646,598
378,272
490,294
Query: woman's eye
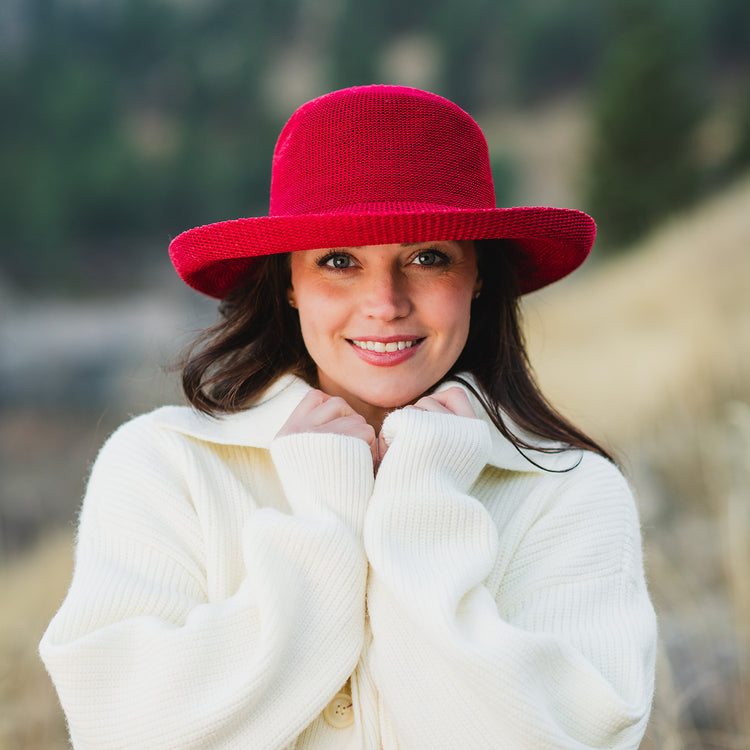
x,y
430,258
338,261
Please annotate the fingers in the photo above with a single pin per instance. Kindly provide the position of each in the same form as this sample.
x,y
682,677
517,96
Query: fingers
x,y
305,412
354,426
312,412
381,449
450,401
329,409
321,413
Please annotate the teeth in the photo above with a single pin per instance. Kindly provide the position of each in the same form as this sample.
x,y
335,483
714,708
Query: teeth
x,y
380,346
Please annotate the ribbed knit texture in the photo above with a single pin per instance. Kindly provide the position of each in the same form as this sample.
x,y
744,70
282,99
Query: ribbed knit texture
x,y
221,594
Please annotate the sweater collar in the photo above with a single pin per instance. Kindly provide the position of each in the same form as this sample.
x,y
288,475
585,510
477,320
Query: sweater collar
x,y
254,427
257,426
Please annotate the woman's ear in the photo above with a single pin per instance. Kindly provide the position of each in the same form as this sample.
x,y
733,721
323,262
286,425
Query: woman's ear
x,y
290,298
477,288
478,254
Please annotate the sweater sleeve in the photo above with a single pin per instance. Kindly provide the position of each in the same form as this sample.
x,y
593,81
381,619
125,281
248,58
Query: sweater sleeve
x,y
143,658
563,658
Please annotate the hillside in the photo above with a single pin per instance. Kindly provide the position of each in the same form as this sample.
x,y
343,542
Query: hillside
x,y
623,344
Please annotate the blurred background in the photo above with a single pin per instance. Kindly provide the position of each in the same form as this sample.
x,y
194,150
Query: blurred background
x,y
124,122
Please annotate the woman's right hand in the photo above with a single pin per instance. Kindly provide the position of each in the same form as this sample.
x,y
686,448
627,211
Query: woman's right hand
x,y
319,412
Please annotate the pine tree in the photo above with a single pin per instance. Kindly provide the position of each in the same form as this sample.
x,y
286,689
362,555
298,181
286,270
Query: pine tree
x,y
647,106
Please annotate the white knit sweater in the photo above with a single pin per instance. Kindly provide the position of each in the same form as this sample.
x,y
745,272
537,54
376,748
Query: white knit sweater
x,y
228,585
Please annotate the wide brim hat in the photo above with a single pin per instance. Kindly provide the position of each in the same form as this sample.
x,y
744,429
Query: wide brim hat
x,y
374,165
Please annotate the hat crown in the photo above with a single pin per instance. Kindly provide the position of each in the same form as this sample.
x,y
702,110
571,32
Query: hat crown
x,y
380,149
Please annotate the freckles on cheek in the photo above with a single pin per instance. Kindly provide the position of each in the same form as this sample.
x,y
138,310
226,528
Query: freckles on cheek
x,y
321,315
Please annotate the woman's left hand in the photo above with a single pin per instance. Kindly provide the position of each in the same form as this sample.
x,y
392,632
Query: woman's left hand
x,y
450,401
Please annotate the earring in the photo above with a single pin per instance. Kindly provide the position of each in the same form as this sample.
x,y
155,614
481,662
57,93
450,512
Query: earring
x,y
476,294
291,303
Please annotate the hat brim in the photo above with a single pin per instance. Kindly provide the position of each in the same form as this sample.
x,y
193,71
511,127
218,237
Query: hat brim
x,y
548,243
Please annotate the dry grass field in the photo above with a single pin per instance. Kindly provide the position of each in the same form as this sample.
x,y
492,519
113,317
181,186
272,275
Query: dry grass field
x,y
651,353
31,588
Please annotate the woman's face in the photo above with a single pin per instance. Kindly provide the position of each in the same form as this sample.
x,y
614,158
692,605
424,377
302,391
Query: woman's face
x,y
384,323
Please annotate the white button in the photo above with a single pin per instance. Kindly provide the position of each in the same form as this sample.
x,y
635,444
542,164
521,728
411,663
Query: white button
x,y
339,713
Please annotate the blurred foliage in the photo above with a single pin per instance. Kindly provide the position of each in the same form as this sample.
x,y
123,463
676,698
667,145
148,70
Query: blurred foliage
x,y
126,121
653,94
741,155
556,44
647,107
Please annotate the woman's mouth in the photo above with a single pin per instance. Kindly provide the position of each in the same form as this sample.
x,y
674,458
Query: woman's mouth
x,y
382,346
385,353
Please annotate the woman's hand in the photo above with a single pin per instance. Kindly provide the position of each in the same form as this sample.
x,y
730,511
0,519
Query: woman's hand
x,y
319,412
450,401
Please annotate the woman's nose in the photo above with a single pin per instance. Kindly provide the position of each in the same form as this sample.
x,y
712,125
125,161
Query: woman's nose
x,y
386,295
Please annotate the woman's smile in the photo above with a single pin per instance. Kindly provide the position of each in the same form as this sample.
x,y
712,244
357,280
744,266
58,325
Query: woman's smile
x,y
384,323
386,352
380,345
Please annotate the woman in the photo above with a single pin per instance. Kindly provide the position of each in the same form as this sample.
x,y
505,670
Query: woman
x,y
371,531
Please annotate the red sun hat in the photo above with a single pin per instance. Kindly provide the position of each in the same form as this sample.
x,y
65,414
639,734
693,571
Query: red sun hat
x,y
374,165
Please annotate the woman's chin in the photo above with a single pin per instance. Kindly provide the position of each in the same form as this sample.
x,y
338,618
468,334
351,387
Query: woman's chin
x,y
385,393
390,401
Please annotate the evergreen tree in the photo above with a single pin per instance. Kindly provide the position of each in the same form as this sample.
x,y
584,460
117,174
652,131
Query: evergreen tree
x,y
646,110
740,159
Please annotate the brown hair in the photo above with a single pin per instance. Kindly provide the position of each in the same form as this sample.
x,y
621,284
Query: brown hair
x,y
258,339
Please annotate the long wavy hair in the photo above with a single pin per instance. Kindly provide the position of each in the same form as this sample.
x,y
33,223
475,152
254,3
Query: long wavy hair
x,y
258,339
